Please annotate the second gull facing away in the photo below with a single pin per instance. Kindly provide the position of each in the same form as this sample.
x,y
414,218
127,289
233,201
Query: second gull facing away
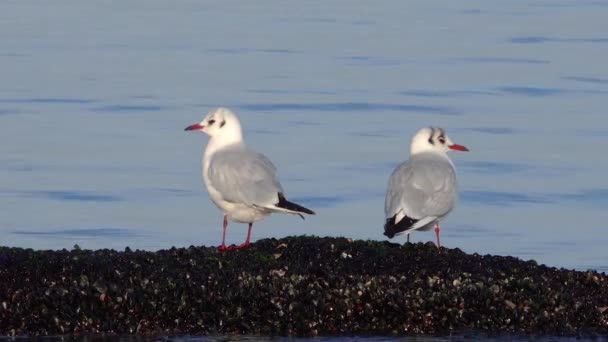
x,y
241,182
422,190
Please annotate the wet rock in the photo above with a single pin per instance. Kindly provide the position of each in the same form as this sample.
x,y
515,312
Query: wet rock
x,y
302,286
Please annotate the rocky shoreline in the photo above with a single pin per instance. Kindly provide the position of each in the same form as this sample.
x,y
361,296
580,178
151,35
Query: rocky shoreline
x,y
300,286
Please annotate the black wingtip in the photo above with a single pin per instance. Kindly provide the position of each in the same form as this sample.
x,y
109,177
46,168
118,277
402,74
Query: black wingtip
x,y
392,228
389,235
285,204
389,226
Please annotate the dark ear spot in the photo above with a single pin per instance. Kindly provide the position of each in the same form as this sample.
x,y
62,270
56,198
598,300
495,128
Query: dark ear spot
x,y
222,123
441,136
431,139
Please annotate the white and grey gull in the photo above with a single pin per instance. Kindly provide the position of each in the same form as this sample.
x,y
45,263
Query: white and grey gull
x,y
244,184
422,190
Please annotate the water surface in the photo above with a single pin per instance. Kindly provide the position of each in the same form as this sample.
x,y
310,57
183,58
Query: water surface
x,y
94,98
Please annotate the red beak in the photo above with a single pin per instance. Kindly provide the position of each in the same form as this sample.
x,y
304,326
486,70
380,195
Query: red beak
x,y
458,148
195,127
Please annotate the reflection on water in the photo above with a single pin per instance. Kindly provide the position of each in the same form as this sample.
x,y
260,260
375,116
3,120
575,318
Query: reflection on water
x,y
92,118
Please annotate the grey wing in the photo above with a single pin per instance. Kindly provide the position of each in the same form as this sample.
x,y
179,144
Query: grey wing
x,y
244,176
397,185
420,190
443,192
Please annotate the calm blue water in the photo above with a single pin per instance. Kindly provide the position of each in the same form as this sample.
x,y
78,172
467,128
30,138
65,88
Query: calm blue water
x,y
94,98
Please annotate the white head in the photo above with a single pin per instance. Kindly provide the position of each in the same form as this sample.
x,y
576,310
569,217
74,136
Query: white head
x,y
433,139
220,124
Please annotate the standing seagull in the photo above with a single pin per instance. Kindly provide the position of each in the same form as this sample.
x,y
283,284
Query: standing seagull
x,y
422,190
241,182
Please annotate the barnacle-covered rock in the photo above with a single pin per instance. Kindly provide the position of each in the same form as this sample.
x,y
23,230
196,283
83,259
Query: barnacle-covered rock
x,y
303,286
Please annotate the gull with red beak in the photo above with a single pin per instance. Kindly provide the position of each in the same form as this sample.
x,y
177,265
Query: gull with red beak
x,y
422,190
241,182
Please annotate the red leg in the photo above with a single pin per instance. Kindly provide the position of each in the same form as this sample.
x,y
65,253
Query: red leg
x,y
223,246
248,237
437,233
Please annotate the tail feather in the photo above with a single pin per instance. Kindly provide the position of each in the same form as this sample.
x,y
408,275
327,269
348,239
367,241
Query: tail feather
x,y
292,207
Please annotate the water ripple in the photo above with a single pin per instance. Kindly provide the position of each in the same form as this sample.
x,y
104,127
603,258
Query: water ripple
x,y
129,108
592,132
374,134
541,40
544,91
25,166
587,196
78,196
500,60
7,111
492,130
593,80
363,23
446,93
532,91
303,123
465,231
246,50
347,107
87,232
370,168
500,198
530,170
368,60
49,100
320,201
493,167
291,91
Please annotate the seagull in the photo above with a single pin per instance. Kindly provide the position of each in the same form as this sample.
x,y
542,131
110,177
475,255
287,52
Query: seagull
x,y
422,190
241,182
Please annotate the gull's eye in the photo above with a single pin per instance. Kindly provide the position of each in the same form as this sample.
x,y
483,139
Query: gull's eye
x,y
441,139
211,122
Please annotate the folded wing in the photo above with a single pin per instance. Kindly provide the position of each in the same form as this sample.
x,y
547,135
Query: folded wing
x,y
421,190
244,176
